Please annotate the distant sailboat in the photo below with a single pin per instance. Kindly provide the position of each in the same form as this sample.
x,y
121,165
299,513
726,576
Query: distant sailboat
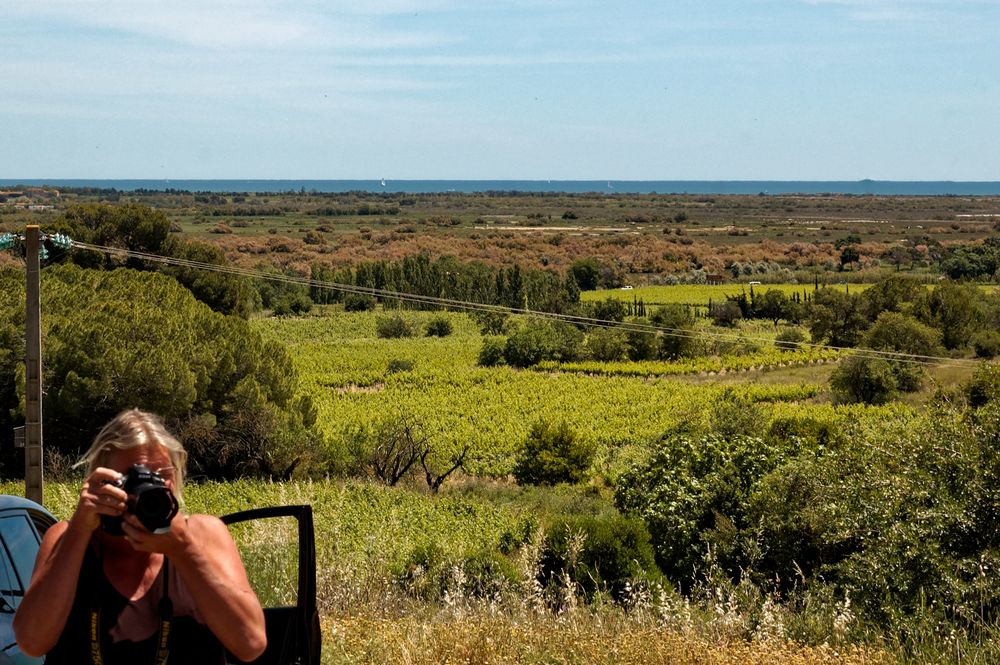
x,y
383,182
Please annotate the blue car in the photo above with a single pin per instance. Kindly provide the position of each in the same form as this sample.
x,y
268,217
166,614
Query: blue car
x,y
292,620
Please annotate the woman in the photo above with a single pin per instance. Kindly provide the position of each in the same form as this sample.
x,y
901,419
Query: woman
x,y
85,575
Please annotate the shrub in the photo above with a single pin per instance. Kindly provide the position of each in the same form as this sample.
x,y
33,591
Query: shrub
x,y
553,454
987,344
542,340
358,302
726,313
692,494
605,553
400,365
490,323
491,353
864,379
984,386
789,339
439,326
393,327
678,341
607,345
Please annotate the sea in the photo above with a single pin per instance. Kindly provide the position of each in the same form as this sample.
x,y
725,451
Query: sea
x,y
702,187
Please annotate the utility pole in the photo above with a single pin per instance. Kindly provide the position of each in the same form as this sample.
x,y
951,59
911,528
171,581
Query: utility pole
x,y
33,369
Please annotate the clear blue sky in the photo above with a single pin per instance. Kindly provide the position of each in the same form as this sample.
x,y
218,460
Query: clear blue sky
x,y
484,89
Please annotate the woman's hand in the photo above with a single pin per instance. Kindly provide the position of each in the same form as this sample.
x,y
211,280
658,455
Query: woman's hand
x,y
144,540
99,497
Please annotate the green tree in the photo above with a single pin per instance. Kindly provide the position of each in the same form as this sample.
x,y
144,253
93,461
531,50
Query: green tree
x,y
553,454
957,310
676,340
586,273
836,317
864,379
118,339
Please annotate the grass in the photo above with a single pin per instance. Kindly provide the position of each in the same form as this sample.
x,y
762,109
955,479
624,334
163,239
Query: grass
x,y
364,531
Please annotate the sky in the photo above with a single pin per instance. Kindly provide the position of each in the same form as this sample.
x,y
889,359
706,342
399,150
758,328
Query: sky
x,y
493,89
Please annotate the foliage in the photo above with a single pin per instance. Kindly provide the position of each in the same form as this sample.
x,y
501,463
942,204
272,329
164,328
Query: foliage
x,y
123,338
535,341
984,386
789,338
865,379
604,553
986,343
954,309
393,326
223,292
553,454
607,345
610,309
725,313
139,228
677,341
692,493
491,353
837,317
902,333
439,326
586,273
358,302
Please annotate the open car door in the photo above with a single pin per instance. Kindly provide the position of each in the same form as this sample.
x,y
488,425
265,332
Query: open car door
x,y
278,548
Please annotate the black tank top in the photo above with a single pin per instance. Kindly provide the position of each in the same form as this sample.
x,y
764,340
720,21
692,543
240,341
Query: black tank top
x,y
191,643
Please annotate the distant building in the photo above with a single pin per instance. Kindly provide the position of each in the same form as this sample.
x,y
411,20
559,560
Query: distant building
x,y
714,278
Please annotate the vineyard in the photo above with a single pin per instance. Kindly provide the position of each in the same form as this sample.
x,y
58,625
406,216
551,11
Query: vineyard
x,y
699,295
349,373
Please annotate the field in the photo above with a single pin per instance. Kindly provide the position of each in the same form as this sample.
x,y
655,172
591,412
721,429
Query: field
x,y
345,368
783,489
365,535
645,237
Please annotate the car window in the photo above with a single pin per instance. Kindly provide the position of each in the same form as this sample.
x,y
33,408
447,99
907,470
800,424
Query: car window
x,y
21,543
11,590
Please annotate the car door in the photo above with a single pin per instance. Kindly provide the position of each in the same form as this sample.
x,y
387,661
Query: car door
x,y
278,548
21,530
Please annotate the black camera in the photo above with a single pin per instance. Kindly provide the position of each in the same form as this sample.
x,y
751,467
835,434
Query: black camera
x,y
149,499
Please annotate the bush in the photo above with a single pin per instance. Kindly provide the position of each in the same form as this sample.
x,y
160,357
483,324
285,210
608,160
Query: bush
x,y
863,379
397,365
984,386
607,345
393,327
987,344
678,341
726,313
553,454
789,339
358,302
542,340
439,326
692,494
491,353
601,554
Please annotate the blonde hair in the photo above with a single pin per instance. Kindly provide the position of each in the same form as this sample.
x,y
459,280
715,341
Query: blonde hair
x,y
133,428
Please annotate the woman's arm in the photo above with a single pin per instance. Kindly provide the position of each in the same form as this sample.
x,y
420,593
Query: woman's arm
x,y
46,605
206,558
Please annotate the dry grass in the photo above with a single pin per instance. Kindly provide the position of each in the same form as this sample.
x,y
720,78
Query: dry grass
x,y
608,636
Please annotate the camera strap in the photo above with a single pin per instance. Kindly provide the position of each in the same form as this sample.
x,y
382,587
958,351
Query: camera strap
x,y
166,612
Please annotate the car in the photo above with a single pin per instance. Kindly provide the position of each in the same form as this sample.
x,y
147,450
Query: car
x,y
22,524
287,579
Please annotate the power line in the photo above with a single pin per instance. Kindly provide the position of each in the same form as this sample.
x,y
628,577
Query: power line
x,y
466,305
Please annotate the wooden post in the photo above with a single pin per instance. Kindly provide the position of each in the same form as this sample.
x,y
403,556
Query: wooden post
x,y
33,370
